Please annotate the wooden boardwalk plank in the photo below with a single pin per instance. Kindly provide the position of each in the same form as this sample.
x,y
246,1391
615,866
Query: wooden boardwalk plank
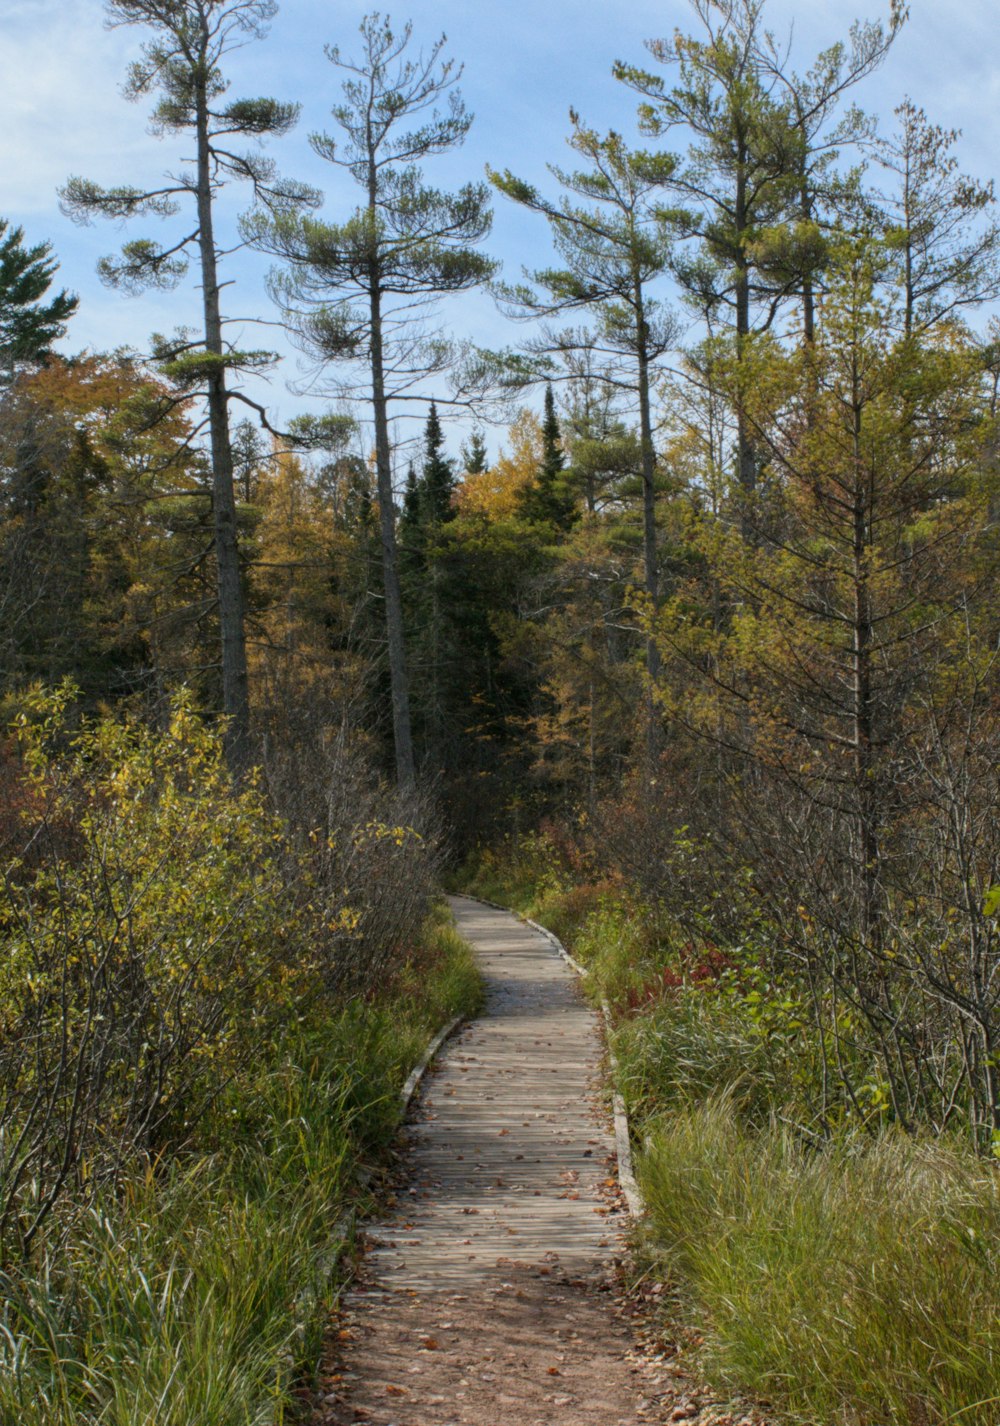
x,y
487,1293
509,1150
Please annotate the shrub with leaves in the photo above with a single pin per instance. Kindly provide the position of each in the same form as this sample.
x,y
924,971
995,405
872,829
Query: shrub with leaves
x,y
146,947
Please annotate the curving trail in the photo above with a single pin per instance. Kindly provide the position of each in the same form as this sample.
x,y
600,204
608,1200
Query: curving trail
x,y
488,1293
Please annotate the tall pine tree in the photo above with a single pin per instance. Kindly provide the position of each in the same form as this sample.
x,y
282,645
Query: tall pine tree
x,y
360,293
181,64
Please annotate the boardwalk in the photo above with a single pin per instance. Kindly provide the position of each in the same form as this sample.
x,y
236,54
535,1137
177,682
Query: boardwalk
x,y
487,1293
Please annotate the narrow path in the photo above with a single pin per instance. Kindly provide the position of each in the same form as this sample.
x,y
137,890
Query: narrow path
x,y
488,1292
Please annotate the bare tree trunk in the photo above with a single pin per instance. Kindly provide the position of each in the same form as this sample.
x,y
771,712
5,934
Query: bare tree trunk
x,y
746,455
865,789
235,682
651,571
398,682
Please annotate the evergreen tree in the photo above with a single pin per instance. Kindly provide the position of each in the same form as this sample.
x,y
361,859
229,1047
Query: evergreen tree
x,y
181,62
410,517
798,250
358,293
474,460
615,244
437,481
738,178
28,323
939,223
250,459
548,499
429,598
751,181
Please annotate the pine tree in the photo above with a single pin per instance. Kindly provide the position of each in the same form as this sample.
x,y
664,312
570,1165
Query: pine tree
x,y
615,244
737,179
28,324
474,460
358,293
939,223
182,64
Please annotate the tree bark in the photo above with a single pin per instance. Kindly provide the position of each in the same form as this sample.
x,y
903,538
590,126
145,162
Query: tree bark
x,y
650,563
746,455
865,789
398,681
235,681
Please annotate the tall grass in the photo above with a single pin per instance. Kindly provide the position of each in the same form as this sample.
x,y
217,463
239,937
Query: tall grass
x,y
860,1284
196,1296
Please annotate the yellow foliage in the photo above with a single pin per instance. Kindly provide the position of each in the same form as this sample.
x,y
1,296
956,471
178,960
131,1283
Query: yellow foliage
x,y
495,493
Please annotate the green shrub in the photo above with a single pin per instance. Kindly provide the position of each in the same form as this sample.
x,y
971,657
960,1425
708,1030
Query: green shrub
x,y
519,873
149,946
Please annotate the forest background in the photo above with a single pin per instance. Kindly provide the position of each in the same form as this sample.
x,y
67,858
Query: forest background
x,y
699,662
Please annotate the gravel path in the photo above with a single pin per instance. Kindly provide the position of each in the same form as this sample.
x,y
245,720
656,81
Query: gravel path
x,y
488,1293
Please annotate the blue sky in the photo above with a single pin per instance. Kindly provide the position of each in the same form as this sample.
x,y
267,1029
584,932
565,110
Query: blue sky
x,y
526,62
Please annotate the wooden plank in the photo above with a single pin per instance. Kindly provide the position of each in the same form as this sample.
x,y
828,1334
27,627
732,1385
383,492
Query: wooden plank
x,y
509,1150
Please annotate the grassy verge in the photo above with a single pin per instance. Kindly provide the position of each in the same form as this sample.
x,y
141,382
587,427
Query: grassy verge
x,y
857,1284
847,1276
198,1294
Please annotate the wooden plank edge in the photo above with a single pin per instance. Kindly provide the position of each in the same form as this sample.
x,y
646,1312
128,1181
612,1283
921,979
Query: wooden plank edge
x,y
419,1070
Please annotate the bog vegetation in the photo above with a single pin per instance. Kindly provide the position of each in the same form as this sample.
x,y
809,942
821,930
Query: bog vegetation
x,y
703,665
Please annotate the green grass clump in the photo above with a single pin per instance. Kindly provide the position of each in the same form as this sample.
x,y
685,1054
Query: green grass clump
x,y
197,1292
856,1285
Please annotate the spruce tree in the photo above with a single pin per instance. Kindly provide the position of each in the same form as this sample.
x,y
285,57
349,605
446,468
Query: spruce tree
x,y
429,599
28,324
437,481
548,500
410,518
474,461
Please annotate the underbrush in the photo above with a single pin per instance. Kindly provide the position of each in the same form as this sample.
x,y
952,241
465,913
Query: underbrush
x,y
197,1291
209,1000
841,1270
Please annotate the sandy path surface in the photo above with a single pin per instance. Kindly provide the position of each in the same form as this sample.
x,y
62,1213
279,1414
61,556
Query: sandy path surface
x,y
487,1296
